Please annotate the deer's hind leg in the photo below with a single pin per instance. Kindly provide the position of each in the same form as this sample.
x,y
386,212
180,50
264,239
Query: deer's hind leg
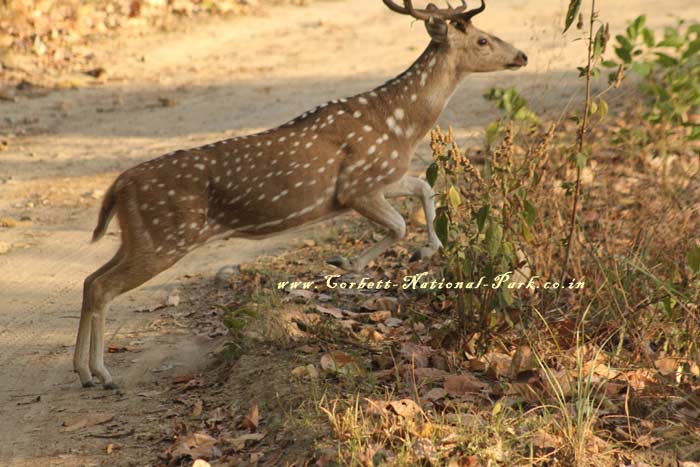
x,y
132,268
144,253
82,344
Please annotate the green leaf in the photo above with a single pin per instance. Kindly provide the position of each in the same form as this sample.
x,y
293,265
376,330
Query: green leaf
x,y
624,42
694,133
633,29
649,37
527,233
529,213
432,174
492,132
643,69
624,51
481,216
572,13
506,296
581,160
442,228
453,197
693,48
693,258
666,60
594,108
604,109
494,238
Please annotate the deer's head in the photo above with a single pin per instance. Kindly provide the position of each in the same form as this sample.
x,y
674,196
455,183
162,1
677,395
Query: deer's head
x,y
472,49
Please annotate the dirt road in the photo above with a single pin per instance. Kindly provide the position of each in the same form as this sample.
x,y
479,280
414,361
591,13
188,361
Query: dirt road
x,y
175,90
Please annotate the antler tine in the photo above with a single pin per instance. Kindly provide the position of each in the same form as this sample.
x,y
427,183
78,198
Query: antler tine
x,y
467,16
394,7
419,14
460,8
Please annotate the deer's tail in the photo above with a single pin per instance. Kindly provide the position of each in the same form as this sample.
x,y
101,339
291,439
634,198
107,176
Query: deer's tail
x,y
109,204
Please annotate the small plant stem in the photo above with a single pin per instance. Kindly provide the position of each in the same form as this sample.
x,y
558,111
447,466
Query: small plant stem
x,y
580,144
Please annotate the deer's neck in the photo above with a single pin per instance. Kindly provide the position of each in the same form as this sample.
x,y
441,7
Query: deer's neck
x,y
415,99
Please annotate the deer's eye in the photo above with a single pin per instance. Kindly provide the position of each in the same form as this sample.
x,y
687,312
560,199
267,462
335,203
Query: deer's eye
x,y
482,41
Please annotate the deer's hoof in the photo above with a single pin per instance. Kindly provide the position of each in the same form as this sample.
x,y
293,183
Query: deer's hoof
x,y
89,384
423,253
109,386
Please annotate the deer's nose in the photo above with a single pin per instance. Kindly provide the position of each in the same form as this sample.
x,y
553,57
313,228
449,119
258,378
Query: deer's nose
x,y
521,58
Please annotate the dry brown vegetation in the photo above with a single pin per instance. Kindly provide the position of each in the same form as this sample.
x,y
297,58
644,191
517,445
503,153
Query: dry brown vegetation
x,y
604,375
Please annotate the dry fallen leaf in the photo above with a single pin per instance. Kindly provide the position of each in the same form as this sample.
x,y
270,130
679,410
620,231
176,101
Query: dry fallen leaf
x,y
424,449
339,362
406,408
239,443
302,293
463,461
197,408
543,440
111,447
307,371
646,441
420,376
201,463
173,298
435,394
87,420
666,365
379,316
381,303
252,418
370,334
415,354
197,445
523,360
497,364
460,385
330,310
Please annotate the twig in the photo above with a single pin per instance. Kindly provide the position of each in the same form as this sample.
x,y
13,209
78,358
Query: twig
x,y
122,434
581,141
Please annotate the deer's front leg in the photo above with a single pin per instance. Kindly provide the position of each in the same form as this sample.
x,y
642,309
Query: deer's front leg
x,y
416,187
375,208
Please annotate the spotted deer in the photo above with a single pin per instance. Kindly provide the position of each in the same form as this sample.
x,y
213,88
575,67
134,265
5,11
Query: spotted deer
x,y
348,154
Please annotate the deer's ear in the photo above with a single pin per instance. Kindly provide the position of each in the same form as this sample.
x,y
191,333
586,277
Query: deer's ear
x,y
437,29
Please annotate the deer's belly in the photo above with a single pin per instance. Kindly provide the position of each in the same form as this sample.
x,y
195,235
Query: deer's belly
x,y
272,207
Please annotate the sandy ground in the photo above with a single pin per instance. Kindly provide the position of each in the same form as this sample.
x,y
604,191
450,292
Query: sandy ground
x,y
220,78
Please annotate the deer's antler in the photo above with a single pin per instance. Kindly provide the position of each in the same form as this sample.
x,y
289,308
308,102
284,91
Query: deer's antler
x,y
468,15
433,12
